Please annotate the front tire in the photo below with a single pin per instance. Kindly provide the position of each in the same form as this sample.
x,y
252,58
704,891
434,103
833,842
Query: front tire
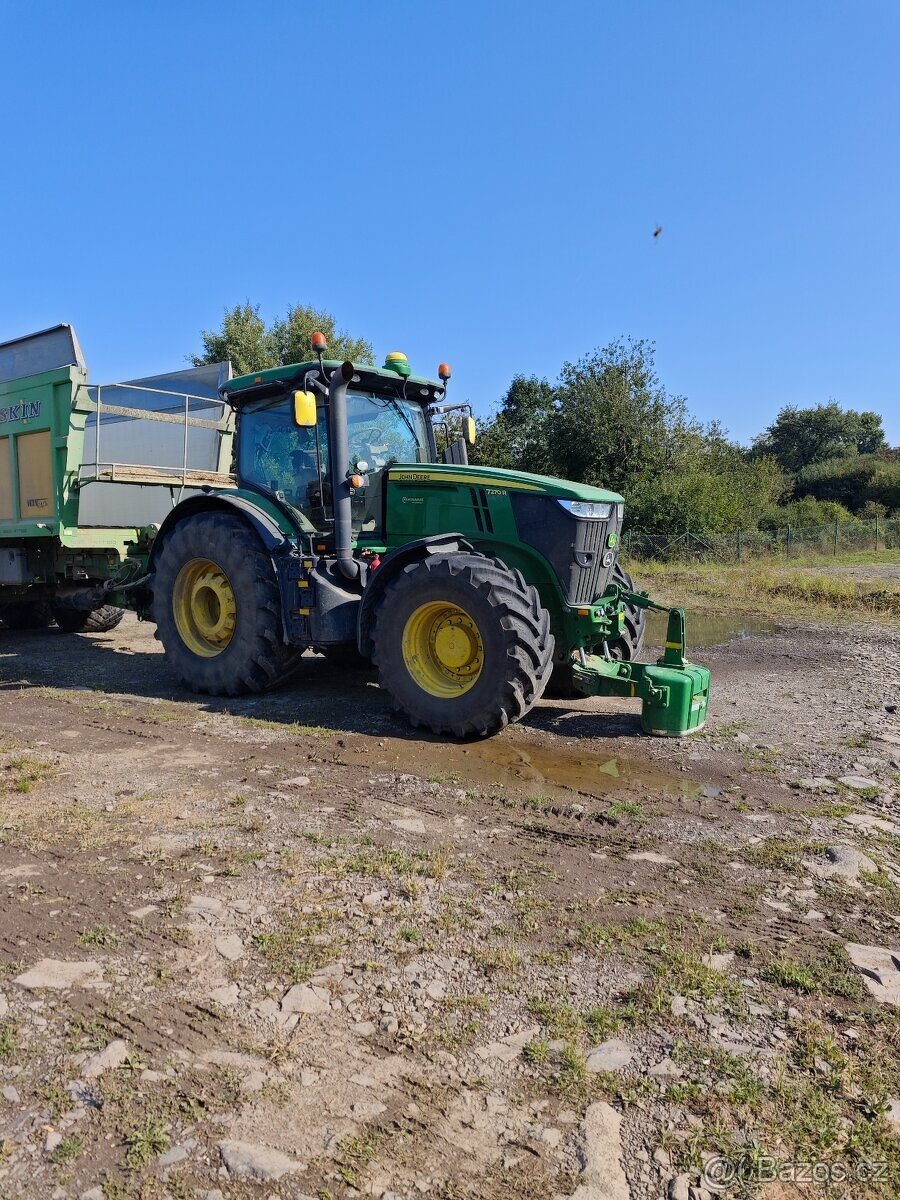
x,y
462,644
97,620
217,607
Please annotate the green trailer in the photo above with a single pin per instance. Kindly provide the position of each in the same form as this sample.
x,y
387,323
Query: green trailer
x,y
341,530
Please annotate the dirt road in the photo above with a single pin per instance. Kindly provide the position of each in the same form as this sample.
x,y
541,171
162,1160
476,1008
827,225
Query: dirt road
x,y
284,947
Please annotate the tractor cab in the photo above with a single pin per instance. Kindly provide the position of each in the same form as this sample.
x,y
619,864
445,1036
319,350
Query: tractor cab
x,y
285,435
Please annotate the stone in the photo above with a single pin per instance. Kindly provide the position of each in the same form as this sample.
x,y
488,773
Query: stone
x,y
652,857
880,969
665,1069
226,995
410,824
600,1153
249,1160
611,1055
52,1140
109,1059
310,1001
298,781
364,1029
230,946
892,1113
94,1193
139,914
719,962
678,1005
59,975
11,1094
680,1188
859,783
4,1006
508,1048
843,862
206,905
817,784
868,823
176,1155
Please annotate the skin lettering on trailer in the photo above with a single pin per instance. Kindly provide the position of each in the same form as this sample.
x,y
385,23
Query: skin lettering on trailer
x,y
20,412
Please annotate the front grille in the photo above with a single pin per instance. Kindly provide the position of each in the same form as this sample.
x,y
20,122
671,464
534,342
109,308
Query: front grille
x,y
575,548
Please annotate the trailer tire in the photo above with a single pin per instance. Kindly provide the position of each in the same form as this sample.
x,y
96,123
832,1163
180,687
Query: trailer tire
x,y
626,646
217,607
95,620
462,644
27,614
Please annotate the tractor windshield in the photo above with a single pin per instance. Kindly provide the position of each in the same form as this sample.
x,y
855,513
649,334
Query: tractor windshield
x,y
274,454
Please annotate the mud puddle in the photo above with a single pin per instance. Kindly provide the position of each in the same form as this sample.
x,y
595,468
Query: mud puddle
x,y
711,629
511,762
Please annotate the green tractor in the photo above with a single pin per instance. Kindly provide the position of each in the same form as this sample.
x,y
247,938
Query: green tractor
x,y
471,589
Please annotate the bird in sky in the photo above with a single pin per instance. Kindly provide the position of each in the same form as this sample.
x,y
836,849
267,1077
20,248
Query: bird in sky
x,y
657,231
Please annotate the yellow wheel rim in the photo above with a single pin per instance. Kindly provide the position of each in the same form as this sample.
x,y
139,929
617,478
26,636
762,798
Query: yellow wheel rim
x,y
204,607
442,649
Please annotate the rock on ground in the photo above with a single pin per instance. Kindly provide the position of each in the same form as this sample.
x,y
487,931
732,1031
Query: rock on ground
x,y
602,1175
107,1059
844,862
257,1162
611,1055
880,968
54,973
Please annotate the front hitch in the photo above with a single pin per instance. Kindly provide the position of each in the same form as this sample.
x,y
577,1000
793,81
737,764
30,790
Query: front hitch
x,y
674,691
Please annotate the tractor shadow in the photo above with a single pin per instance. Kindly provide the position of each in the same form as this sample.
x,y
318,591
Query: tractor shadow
x,y
129,664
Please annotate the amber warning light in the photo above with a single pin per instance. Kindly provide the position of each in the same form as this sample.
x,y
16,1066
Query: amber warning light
x,y
444,371
319,342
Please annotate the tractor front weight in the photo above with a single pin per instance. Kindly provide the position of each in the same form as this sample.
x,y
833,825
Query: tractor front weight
x,y
674,691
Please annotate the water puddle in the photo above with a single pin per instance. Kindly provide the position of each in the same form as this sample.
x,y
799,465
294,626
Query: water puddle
x,y
710,629
508,762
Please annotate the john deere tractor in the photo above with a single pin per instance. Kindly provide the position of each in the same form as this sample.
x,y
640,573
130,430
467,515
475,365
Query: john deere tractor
x,y
471,589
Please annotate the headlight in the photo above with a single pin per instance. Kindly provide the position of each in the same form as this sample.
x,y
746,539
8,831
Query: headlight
x,y
587,508
620,512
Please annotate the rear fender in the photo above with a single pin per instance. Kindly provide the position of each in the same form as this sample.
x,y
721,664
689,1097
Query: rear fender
x,y
272,535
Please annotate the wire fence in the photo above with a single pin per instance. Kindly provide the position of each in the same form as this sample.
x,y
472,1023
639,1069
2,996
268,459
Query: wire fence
x,y
792,541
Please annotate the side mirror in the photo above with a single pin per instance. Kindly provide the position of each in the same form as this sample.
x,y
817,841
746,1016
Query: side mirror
x,y
469,431
305,409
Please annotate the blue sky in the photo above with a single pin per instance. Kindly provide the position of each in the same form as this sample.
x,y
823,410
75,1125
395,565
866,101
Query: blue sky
x,y
477,182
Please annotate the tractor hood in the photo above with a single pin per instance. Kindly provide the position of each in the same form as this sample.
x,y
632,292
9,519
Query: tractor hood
x,y
501,479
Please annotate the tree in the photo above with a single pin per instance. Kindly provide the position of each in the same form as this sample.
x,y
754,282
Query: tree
x,y
251,346
291,337
615,425
519,435
242,338
800,437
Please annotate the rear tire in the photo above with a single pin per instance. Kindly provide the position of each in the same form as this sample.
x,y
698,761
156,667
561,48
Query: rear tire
x,y
462,644
97,620
27,614
625,647
217,608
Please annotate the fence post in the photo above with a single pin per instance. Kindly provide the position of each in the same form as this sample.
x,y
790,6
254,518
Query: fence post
x,y
787,544
739,545
876,531
835,536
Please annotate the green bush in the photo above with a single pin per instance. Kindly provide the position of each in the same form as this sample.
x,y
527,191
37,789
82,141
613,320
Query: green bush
x,y
854,482
805,513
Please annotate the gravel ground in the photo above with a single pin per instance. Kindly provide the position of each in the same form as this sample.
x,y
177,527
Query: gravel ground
x,y
284,946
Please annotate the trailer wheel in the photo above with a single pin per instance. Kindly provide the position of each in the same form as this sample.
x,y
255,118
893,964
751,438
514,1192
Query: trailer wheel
x,y
217,607
27,614
462,644
96,620
626,646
